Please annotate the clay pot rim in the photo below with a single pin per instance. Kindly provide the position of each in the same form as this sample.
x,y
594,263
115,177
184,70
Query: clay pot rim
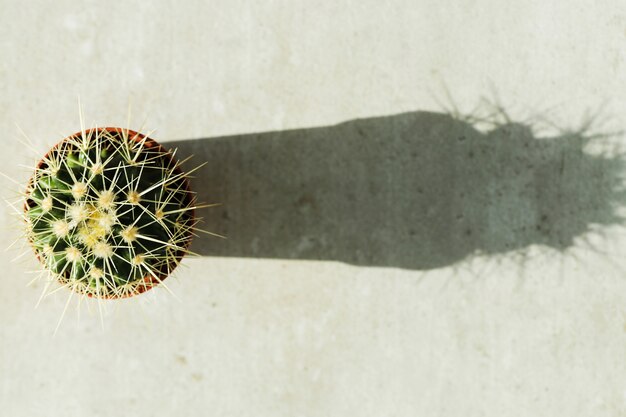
x,y
149,281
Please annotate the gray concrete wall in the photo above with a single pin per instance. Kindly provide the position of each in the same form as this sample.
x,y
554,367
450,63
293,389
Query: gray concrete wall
x,y
423,202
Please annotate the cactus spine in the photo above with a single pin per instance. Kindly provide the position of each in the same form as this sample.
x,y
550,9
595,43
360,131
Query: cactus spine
x,y
109,212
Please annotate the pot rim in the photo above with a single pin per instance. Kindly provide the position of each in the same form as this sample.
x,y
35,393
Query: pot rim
x,y
149,281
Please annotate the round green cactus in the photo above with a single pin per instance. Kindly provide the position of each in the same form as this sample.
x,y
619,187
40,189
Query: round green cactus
x,y
109,212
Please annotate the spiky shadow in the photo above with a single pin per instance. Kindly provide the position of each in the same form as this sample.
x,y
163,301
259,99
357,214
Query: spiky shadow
x,y
416,190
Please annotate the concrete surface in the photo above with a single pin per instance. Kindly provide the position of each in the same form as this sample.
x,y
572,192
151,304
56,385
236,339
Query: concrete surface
x,y
392,249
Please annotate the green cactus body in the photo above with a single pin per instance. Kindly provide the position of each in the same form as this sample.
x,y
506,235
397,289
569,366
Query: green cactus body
x,y
109,212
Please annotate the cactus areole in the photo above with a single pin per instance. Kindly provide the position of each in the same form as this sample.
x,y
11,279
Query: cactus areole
x,y
109,212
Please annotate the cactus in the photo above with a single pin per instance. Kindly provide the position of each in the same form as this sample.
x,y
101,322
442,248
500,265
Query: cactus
x,y
109,212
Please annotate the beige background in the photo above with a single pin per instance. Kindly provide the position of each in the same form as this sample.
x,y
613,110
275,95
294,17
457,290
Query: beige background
x,y
481,335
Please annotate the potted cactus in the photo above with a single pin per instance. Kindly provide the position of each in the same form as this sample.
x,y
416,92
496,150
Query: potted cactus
x,y
109,212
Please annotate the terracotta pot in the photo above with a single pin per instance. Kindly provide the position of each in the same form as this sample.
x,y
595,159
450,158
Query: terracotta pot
x,y
148,281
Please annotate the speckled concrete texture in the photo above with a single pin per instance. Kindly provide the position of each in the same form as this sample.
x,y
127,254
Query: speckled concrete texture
x,y
423,203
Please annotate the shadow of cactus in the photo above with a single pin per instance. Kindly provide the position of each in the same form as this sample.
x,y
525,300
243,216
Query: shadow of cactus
x,y
417,190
